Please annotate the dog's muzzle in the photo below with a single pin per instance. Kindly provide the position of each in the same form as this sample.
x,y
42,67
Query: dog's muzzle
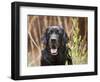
x,y
53,45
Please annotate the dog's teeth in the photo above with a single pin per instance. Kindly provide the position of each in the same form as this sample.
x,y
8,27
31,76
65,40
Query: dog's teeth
x,y
53,50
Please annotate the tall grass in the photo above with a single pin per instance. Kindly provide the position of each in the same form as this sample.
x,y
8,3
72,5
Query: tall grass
x,y
78,45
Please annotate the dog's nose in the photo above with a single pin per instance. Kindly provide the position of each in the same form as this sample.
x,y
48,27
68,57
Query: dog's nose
x,y
53,40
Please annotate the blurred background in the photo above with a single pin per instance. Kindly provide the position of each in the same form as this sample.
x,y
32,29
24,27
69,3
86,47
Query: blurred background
x,y
75,27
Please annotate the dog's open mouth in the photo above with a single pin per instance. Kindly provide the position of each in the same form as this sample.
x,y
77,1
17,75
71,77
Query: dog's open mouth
x,y
53,51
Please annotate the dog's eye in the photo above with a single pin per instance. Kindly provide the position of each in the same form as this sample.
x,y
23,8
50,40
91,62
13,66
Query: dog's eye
x,y
50,32
57,31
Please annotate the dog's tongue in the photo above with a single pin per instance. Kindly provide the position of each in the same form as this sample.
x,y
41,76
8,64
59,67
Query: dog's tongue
x,y
53,51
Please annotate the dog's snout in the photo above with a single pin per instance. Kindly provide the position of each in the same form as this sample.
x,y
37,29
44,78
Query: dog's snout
x,y
53,40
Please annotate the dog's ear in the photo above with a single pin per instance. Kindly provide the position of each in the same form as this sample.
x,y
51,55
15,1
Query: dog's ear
x,y
44,37
65,38
44,40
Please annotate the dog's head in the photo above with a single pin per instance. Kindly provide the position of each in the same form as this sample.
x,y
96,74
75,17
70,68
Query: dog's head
x,y
54,38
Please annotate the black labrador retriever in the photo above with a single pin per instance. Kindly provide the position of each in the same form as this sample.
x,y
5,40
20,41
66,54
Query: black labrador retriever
x,y
55,52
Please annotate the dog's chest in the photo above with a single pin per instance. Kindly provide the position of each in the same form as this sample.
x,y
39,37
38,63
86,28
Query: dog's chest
x,y
54,59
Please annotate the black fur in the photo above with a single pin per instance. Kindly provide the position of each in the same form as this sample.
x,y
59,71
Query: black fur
x,y
60,42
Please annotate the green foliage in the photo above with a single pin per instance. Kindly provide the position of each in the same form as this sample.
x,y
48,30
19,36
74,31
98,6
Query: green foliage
x,y
78,45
